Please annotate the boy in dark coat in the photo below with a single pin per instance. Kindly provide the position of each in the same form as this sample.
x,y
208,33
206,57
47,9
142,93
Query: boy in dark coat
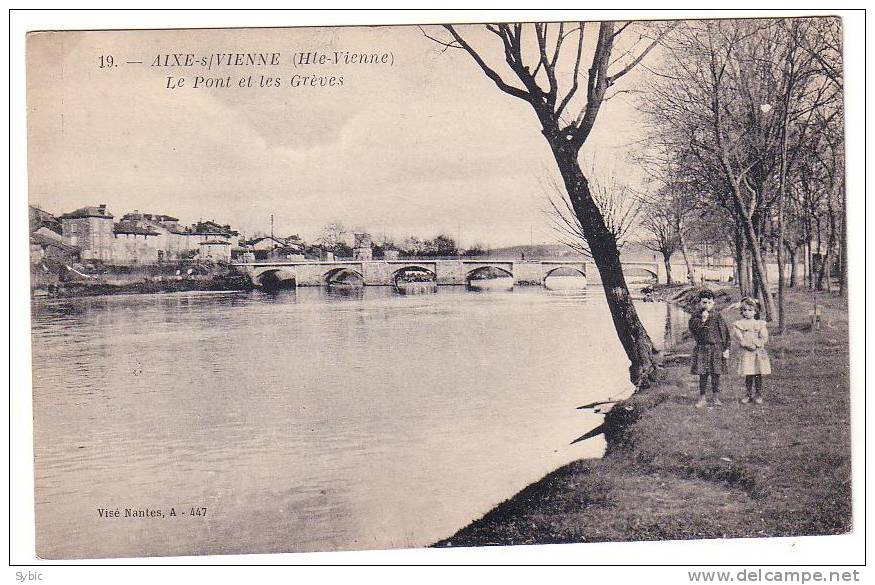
x,y
712,347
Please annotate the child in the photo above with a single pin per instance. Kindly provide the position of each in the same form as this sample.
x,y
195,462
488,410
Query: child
x,y
712,347
753,363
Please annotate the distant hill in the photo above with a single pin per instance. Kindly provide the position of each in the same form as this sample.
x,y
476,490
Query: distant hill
x,y
632,252
535,252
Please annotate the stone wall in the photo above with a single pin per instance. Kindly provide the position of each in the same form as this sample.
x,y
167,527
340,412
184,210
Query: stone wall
x,y
382,273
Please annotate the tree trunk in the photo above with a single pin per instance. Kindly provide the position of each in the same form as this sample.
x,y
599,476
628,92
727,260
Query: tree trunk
x,y
752,238
633,337
809,269
748,273
682,242
827,260
843,245
741,276
666,259
793,272
818,283
782,196
782,325
760,277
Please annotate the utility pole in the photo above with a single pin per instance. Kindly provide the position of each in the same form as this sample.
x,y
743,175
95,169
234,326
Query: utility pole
x,y
271,225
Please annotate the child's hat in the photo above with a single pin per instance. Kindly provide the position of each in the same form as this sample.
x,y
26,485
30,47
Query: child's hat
x,y
750,302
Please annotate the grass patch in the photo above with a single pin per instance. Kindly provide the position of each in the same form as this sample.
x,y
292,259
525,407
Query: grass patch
x,y
673,471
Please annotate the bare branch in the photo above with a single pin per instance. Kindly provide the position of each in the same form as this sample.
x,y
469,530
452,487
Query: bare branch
x,y
490,73
444,44
575,74
640,57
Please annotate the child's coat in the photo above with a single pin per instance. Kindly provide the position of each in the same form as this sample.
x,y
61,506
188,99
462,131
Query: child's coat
x,y
752,335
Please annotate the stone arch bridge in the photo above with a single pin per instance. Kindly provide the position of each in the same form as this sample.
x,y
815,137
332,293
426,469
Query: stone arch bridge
x,y
385,272
444,272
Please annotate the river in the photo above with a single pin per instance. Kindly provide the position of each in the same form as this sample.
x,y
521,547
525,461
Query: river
x,y
307,420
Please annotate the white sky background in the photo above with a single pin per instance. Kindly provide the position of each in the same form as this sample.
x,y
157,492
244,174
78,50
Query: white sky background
x,y
429,145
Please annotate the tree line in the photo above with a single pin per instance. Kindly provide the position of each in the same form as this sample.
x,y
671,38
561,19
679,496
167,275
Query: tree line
x,y
336,238
742,135
744,125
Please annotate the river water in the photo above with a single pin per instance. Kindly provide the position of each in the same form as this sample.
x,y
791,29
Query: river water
x,y
307,420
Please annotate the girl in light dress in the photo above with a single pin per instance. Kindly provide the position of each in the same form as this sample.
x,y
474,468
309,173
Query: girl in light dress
x,y
753,363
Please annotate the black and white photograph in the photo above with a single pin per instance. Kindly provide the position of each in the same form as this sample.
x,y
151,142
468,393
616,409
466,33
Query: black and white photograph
x,y
440,285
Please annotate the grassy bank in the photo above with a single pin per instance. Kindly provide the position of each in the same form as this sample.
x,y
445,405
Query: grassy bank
x,y
673,471
53,279
211,283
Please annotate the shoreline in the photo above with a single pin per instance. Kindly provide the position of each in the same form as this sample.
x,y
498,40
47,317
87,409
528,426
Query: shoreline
x,y
217,283
81,290
675,472
60,281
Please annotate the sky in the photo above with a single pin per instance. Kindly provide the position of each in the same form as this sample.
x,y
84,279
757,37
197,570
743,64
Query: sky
x,y
421,146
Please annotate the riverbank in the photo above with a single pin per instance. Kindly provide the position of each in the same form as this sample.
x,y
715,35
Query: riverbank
x,y
79,289
675,472
61,281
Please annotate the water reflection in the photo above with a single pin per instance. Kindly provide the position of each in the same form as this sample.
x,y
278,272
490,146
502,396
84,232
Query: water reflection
x,y
315,419
344,291
559,283
283,295
416,288
675,325
492,284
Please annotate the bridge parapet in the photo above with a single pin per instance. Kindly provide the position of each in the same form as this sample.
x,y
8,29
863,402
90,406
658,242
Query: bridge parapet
x,y
383,272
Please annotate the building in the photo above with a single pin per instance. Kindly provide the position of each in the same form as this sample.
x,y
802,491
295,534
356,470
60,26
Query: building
x,y
135,244
91,230
272,248
172,242
46,244
215,250
139,238
160,232
40,218
362,248
265,244
211,228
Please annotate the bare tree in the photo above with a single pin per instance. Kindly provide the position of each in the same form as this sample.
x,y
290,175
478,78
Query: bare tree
x,y
333,237
731,103
619,206
674,199
661,224
538,70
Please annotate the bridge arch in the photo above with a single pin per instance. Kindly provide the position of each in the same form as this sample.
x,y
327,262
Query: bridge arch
x,y
632,271
276,278
413,268
565,269
486,272
343,275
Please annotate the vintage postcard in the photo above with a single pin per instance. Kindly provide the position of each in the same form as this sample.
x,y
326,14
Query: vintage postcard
x,y
388,287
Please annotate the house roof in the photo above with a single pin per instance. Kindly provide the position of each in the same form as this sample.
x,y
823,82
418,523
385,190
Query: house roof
x,y
46,236
217,242
213,228
254,241
41,218
136,215
89,211
288,249
127,227
210,231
